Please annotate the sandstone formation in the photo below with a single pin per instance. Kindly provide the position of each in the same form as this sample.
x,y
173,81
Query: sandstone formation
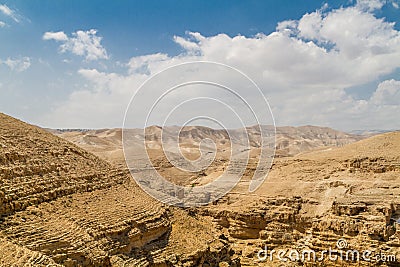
x,y
64,206
61,205
311,201
335,189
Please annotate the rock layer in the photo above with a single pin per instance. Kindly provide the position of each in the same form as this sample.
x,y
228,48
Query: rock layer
x,y
61,205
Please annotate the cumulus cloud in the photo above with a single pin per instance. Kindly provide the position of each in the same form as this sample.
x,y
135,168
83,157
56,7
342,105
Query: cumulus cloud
x,y
19,65
81,43
370,5
101,101
304,65
381,110
354,33
190,44
141,63
57,36
387,93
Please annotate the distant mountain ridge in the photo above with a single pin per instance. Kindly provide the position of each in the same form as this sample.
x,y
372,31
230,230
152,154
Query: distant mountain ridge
x,y
290,141
371,132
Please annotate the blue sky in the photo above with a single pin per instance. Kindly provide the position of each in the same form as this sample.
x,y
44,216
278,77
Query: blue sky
x,y
51,80
143,27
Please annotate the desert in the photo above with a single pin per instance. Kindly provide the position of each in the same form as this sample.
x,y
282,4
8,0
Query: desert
x,y
63,205
200,133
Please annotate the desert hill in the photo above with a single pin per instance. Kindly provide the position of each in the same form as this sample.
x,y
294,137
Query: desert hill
x,y
332,187
36,167
290,141
314,199
61,205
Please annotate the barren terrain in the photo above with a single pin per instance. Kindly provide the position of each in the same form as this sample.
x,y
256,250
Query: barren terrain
x,y
62,205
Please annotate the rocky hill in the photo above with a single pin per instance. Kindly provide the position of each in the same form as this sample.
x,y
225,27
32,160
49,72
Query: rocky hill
x,y
311,201
61,205
290,141
333,189
37,167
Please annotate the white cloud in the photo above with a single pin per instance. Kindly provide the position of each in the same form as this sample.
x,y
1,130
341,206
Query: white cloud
x,y
9,12
2,24
310,25
141,63
387,93
380,111
304,68
288,26
57,36
190,47
370,5
353,33
81,43
19,65
102,101
6,10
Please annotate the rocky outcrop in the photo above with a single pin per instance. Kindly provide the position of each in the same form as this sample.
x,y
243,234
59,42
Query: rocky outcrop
x,y
317,201
376,165
281,225
37,167
19,256
308,202
63,206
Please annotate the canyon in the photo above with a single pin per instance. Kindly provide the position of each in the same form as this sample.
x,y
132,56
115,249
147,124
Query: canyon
x,y
68,199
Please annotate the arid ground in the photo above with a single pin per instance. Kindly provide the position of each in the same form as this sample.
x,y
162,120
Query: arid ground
x,y
68,199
